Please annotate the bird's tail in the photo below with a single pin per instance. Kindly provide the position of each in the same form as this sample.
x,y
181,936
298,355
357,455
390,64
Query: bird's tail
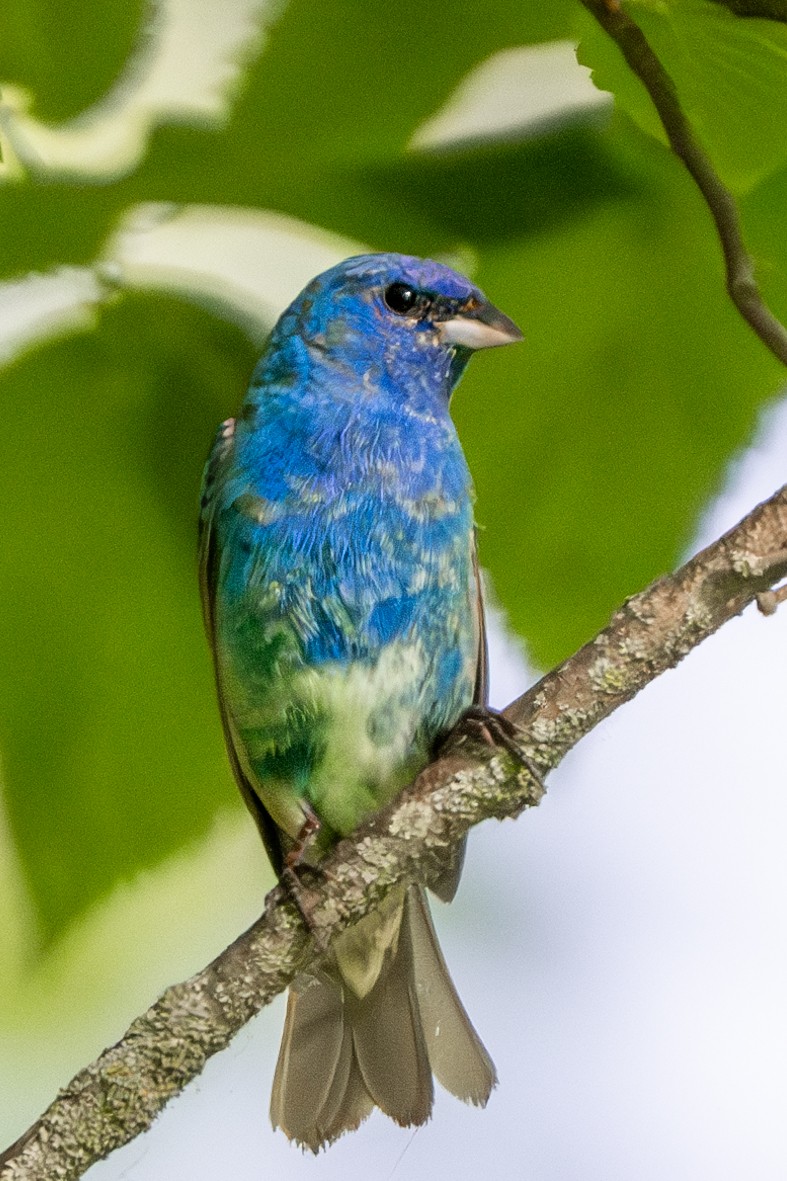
x,y
372,1028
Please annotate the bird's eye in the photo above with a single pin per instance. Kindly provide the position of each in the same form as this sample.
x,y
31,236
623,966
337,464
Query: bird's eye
x,y
404,300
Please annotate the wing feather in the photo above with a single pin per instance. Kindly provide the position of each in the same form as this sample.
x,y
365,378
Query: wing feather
x,y
446,883
481,692
209,566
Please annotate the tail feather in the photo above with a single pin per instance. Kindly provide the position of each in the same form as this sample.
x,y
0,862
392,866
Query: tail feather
x,y
348,1102
457,1055
310,1054
389,1041
351,1043
354,1105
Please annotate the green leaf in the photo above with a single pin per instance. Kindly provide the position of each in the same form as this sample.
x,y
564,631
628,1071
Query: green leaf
x,y
112,749
340,103
763,223
68,54
730,73
596,443
610,72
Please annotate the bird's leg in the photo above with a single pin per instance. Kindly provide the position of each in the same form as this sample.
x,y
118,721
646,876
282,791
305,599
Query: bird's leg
x,y
293,863
489,726
311,826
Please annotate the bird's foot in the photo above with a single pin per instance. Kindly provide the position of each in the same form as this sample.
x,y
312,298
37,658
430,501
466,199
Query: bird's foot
x,y
305,838
292,875
482,724
304,898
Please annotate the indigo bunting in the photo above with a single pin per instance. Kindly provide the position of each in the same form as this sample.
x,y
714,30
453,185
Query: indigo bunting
x,y
342,602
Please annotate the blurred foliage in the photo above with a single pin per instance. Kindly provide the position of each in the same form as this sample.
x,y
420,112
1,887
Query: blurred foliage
x,y
594,446
111,723
67,54
730,77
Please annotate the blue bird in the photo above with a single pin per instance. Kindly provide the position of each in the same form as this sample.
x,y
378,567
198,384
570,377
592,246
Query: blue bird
x,y
342,602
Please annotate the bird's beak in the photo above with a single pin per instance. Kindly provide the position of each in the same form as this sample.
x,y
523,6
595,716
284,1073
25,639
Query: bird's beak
x,y
483,327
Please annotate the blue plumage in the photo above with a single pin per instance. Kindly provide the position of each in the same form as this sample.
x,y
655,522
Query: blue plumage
x,y
341,597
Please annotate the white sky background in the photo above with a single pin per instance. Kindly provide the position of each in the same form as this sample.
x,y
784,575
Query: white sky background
x,y
621,949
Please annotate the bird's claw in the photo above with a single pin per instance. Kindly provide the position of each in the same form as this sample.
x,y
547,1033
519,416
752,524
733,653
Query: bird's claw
x,y
304,899
482,724
301,895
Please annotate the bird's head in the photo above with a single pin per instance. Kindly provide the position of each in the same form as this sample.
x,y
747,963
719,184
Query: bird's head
x,y
398,319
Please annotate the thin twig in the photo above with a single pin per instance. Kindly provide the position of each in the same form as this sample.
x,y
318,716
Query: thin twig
x,y
118,1096
741,283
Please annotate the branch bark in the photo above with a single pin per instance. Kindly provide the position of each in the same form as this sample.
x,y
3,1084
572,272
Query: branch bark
x,y
739,266
120,1094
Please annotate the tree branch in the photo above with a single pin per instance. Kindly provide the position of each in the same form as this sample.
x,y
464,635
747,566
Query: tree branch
x,y
741,283
120,1094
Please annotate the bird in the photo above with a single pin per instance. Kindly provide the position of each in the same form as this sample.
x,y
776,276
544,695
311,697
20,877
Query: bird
x,y
343,606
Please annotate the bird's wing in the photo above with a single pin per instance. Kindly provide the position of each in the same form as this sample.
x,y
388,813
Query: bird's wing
x,y
209,565
446,883
208,549
481,692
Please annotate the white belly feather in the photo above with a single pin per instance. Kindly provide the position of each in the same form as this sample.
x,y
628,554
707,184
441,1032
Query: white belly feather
x,y
372,714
